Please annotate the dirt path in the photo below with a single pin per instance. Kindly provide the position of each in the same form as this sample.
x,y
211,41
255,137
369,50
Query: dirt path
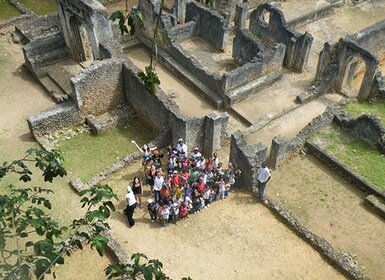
x,y
291,123
333,209
233,239
20,97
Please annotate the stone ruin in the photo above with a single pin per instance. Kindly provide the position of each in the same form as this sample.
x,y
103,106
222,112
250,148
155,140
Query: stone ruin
x,y
102,81
107,81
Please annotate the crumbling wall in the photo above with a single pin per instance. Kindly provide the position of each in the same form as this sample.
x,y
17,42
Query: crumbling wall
x,y
247,47
247,157
371,38
269,23
162,113
59,117
269,61
211,26
85,25
98,88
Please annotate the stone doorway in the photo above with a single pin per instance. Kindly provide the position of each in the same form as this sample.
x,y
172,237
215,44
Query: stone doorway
x,y
81,48
353,78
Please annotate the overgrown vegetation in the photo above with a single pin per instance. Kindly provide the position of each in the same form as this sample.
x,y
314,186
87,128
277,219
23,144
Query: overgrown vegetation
x,y
360,157
88,154
7,10
356,109
40,7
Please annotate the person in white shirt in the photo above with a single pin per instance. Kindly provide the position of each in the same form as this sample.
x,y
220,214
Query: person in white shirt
x,y
131,205
263,177
158,183
181,146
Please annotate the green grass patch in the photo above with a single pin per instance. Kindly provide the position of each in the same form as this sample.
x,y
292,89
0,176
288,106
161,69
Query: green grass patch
x,y
40,7
360,157
357,109
7,10
86,155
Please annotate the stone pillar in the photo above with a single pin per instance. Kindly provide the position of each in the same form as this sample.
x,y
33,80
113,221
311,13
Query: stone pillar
x,y
213,131
180,10
278,146
240,17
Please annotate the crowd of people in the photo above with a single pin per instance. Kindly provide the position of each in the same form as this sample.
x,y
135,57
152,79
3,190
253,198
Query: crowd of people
x,y
182,183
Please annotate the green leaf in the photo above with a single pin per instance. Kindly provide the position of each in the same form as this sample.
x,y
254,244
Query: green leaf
x,y
99,248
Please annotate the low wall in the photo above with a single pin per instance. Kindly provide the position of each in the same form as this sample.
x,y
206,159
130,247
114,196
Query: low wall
x,y
345,172
98,88
371,38
247,157
59,117
312,16
246,47
339,259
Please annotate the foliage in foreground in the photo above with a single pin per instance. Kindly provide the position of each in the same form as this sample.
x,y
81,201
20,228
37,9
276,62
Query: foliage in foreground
x,y
31,242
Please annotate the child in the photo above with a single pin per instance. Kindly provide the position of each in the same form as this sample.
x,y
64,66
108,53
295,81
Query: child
x,y
221,188
174,212
179,192
151,207
206,197
160,210
165,215
183,211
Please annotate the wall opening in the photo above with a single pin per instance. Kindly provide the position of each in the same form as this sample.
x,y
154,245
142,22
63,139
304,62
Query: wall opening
x,y
264,17
353,76
81,48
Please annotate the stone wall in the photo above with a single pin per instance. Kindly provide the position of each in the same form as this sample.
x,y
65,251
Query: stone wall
x,y
98,88
246,47
211,26
59,117
246,157
371,38
162,114
85,25
274,27
271,61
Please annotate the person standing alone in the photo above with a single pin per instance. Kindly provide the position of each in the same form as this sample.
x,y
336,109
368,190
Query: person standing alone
x,y
131,205
263,178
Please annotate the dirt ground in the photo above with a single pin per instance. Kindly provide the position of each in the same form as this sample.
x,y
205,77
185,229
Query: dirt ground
x,y
233,239
236,238
333,209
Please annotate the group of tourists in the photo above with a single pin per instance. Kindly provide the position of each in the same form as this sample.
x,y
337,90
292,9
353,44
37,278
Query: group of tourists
x,y
182,183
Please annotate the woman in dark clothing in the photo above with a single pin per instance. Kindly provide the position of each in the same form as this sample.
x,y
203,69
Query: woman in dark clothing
x,y
138,190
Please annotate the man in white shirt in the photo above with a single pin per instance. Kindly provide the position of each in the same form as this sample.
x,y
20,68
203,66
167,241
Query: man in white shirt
x,y
263,178
158,183
131,205
181,146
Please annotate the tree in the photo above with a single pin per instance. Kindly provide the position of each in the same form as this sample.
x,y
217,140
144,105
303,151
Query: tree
x,y
40,242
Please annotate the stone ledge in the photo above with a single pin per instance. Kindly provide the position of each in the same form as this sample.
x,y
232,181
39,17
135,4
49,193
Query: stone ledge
x,y
330,160
375,203
339,259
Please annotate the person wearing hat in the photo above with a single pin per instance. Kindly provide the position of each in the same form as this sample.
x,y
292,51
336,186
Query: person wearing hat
x,y
263,177
131,205
181,146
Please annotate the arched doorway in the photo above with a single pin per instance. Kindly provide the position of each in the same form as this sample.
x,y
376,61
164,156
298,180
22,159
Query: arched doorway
x,y
353,76
81,48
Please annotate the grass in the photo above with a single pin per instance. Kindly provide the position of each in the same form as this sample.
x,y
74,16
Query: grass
x,y
360,157
356,109
86,155
40,7
7,10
